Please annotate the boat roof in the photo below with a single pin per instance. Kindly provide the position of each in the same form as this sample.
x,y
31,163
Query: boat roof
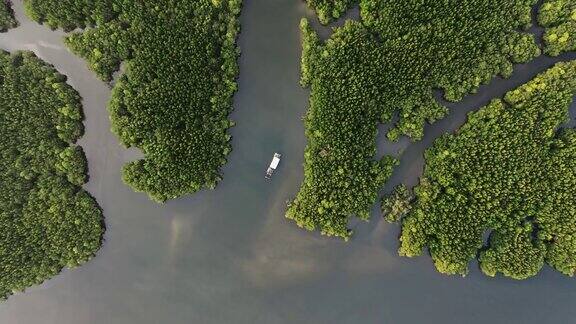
x,y
275,162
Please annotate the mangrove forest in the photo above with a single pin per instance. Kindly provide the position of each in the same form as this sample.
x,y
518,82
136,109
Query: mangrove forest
x,y
383,69
47,220
559,19
174,96
508,173
7,19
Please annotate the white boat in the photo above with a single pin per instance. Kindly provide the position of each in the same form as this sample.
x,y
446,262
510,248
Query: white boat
x,y
273,165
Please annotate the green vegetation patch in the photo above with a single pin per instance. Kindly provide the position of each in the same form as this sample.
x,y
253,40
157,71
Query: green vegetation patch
x,y
174,99
397,205
7,19
510,171
559,18
47,221
328,10
387,64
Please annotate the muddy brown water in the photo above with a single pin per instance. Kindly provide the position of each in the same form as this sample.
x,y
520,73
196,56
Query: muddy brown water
x,y
228,255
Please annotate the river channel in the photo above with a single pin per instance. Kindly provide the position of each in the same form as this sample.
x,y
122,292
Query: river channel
x,y
229,255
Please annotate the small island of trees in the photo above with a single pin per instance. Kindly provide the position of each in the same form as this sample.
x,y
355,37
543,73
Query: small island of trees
x,y
175,96
508,171
388,64
47,221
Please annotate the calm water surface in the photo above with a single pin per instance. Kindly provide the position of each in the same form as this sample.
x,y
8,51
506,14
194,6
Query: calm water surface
x,y
228,255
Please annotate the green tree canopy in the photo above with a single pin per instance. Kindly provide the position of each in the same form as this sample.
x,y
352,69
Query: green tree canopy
x,y
559,18
47,221
174,99
7,19
509,170
388,64
328,10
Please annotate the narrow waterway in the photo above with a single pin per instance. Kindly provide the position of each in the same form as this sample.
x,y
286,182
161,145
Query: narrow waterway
x,y
228,255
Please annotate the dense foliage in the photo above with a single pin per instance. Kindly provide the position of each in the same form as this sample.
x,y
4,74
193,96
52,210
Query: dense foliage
x,y
174,99
7,19
510,171
328,10
397,205
390,63
559,18
71,14
47,221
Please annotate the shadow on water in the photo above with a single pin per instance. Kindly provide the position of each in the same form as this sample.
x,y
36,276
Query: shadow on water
x,y
536,29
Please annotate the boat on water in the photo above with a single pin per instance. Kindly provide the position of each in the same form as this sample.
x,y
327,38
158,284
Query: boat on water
x,y
273,165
